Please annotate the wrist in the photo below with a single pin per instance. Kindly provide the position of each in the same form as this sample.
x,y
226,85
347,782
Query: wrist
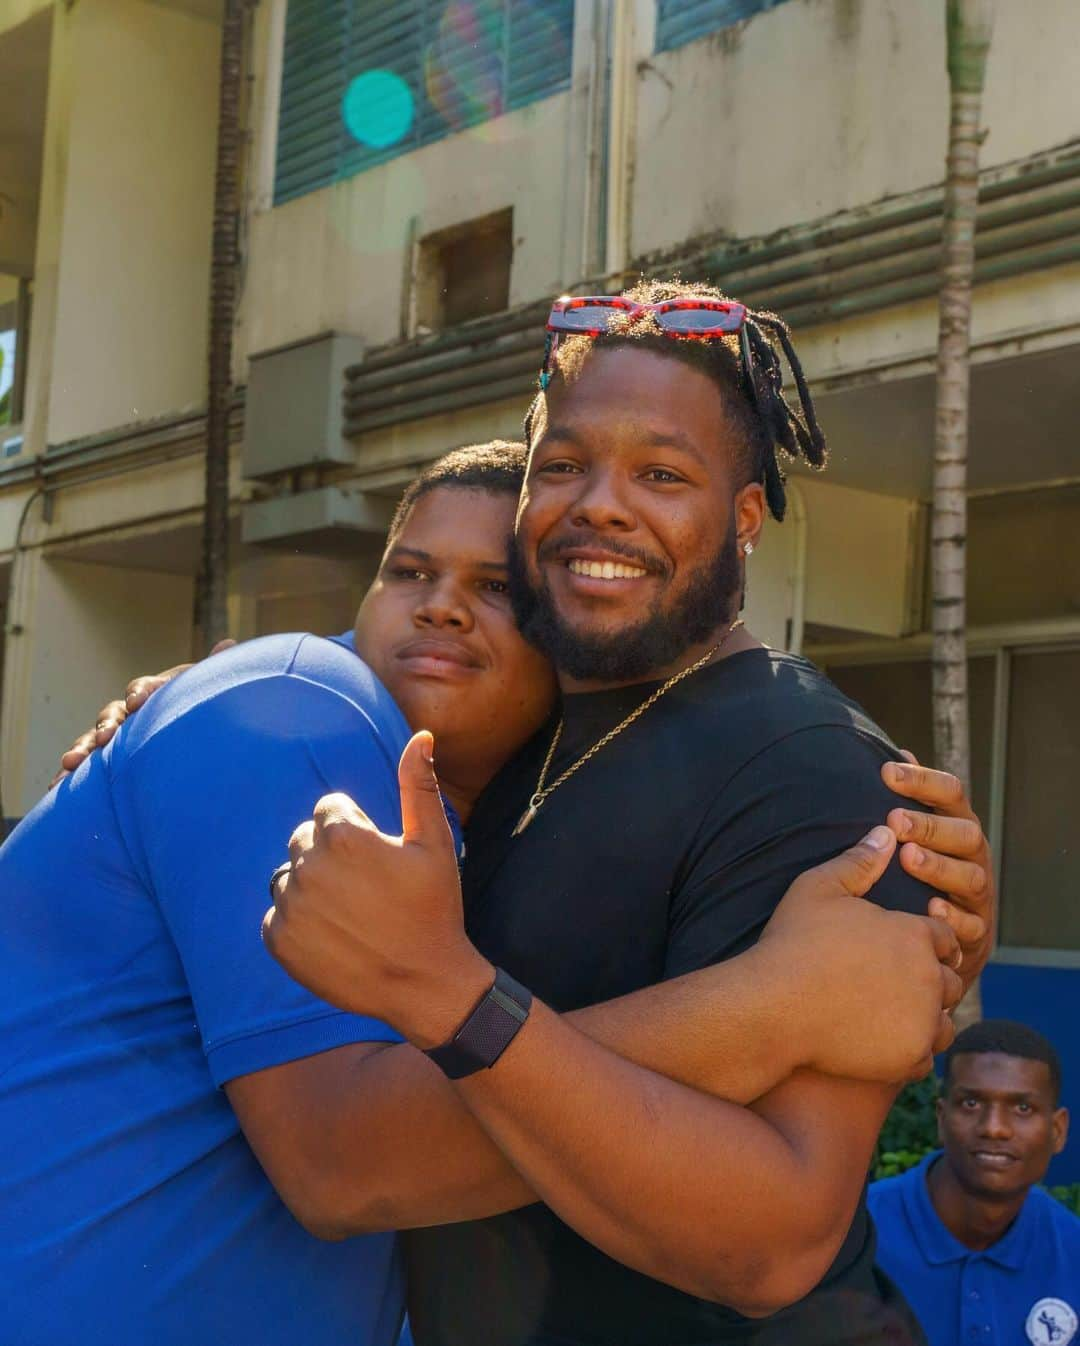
x,y
787,1003
439,1008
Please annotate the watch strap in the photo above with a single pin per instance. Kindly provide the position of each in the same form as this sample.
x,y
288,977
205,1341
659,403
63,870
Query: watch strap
x,y
487,1031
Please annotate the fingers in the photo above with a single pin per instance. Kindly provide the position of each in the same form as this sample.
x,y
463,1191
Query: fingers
x,y
952,988
140,689
938,789
109,719
221,646
968,927
909,756
962,837
79,751
303,839
944,1039
961,880
947,948
423,817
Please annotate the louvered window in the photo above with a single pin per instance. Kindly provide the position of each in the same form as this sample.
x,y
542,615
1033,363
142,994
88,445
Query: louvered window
x,y
366,80
680,21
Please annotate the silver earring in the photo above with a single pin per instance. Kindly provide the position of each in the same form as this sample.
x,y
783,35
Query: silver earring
x,y
748,549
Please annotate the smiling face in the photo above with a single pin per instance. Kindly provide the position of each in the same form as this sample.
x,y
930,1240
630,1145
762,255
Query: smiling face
x,y
437,628
999,1124
626,559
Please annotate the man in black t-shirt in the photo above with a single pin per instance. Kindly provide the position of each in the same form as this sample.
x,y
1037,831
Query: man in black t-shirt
x,y
649,832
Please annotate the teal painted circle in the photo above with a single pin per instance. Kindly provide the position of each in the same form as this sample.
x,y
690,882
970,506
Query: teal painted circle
x,y
377,108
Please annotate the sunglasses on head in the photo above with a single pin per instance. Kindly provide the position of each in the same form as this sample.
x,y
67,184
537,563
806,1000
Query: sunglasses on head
x,y
687,319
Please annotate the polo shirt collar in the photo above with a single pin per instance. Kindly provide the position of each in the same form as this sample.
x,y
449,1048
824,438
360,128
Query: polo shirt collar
x,y
939,1246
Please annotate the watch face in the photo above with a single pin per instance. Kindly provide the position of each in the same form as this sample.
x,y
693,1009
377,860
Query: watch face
x,y
1051,1322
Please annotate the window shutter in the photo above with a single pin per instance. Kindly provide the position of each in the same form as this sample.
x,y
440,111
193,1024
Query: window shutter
x,y
463,61
309,120
681,21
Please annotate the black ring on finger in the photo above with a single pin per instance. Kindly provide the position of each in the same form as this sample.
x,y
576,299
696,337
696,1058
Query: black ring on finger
x,y
286,868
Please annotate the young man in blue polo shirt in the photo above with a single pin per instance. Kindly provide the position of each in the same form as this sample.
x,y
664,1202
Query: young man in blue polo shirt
x,y
980,1252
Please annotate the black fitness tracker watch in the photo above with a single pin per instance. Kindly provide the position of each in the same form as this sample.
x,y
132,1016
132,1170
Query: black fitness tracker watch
x,y
488,1030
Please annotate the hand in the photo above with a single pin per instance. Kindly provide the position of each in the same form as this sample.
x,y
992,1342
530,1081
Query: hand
x,y
373,923
113,714
871,987
948,850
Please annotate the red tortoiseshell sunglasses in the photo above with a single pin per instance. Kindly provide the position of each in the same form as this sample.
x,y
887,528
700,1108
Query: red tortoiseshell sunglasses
x,y
687,319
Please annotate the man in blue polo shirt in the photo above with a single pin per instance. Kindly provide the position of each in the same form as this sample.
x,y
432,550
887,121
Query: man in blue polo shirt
x,y
131,968
980,1252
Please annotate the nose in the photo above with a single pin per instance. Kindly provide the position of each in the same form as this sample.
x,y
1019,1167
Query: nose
x,y
996,1124
602,503
443,606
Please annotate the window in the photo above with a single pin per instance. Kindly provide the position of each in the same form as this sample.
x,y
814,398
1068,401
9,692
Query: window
x,y
14,332
681,21
1025,757
464,272
366,81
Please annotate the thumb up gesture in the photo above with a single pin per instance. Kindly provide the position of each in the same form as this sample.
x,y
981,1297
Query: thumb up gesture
x,y
373,923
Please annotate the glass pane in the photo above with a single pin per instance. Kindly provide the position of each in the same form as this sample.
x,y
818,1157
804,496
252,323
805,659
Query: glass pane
x,y
897,697
1040,876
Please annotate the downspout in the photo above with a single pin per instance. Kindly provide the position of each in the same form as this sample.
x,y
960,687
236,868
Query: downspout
x,y
213,582
621,122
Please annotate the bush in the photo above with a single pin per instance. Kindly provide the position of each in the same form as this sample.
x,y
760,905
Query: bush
x,y
910,1130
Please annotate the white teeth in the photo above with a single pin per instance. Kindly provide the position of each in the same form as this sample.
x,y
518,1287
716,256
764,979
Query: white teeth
x,y
606,570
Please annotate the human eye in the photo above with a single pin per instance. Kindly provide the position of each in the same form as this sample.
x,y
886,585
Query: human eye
x,y
559,467
494,586
406,573
664,476
1024,1108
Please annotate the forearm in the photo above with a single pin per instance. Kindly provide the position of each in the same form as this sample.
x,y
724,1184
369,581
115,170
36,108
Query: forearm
x,y
396,1148
722,1202
734,1030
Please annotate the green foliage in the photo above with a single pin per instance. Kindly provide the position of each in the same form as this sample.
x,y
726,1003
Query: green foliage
x,y
1068,1196
910,1130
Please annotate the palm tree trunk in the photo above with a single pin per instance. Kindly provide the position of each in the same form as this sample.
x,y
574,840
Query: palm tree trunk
x,y
969,25
213,584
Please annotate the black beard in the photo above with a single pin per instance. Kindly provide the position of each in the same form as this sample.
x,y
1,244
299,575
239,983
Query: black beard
x,y
710,599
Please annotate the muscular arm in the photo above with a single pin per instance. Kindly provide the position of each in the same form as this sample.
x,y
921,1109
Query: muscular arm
x,y
747,1207
375,1137
370,1138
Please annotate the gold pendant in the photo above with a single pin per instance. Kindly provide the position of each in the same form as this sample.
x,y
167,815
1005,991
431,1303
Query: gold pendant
x,y
525,819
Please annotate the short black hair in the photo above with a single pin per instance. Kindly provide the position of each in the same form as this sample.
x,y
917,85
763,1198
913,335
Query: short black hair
x,y
762,416
1007,1038
498,468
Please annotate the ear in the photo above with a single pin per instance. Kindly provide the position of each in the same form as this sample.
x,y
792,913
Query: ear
x,y
750,508
1060,1126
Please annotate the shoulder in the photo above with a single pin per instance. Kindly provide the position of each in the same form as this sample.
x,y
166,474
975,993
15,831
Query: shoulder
x,y
886,1197
1055,1215
292,686
766,701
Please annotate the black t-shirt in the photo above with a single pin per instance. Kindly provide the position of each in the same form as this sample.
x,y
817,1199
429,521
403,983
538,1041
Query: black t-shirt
x,y
665,853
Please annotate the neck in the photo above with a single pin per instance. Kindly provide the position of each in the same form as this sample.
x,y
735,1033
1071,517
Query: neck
x,y
976,1221
740,639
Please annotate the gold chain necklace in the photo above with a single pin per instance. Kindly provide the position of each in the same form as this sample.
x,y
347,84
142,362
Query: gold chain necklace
x,y
542,790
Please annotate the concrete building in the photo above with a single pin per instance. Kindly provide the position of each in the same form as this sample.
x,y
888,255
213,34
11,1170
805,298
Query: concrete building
x,y
421,178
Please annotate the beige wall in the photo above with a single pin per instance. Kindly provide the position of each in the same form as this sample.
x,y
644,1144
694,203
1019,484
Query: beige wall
x,y
131,178
818,106
91,628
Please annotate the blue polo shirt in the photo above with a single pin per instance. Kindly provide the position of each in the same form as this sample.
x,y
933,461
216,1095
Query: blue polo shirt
x,y
133,984
1024,1289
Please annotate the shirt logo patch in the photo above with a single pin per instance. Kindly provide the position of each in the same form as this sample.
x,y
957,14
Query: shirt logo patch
x,y
1051,1322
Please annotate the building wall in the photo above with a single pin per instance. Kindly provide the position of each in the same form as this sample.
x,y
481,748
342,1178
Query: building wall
x,y
94,627
124,255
